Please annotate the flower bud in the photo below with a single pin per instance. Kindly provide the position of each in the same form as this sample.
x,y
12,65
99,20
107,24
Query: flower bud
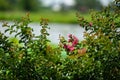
x,y
90,24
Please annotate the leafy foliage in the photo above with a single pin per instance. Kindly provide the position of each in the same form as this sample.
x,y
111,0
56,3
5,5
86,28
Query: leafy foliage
x,y
21,57
30,57
103,41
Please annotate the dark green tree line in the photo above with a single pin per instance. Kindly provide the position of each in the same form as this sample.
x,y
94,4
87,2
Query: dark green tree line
x,y
87,4
30,5
4,5
26,5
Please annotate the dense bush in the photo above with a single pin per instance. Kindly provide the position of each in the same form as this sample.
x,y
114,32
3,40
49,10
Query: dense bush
x,y
25,55
102,37
30,57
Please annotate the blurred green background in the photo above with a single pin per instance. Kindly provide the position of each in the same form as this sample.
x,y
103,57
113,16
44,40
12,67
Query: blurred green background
x,y
57,11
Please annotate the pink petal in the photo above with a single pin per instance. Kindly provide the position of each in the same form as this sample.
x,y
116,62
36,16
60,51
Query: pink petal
x,y
70,35
65,46
71,49
90,24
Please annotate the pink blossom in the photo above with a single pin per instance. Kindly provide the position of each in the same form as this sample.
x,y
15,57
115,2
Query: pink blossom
x,y
72,42
65,46
75,38
69,40
75,41
70,48
69,35
90,24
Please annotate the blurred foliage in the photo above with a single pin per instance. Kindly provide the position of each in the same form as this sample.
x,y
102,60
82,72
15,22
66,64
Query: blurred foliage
x,y
33,5
103,41
4,5
30,57
22,56
26,5
30,5
85,5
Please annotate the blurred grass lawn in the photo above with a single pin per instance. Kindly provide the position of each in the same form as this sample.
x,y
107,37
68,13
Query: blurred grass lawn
x,y
54,17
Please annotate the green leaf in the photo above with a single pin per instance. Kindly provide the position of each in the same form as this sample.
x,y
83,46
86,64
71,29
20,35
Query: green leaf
x,y
64,54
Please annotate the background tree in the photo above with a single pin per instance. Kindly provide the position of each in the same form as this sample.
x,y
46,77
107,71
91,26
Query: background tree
x,y
30,5
13,4
26,5
87,4
4,5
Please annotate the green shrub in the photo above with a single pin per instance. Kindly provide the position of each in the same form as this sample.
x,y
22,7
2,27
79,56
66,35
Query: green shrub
x,y
24,56
103,41
30,57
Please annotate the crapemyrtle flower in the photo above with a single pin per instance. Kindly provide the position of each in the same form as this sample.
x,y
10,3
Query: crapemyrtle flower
x,y
90,24
69,47
75,41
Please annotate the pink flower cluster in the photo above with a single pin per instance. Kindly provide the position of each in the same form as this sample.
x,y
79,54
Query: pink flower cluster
x,y
72,42
90,24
